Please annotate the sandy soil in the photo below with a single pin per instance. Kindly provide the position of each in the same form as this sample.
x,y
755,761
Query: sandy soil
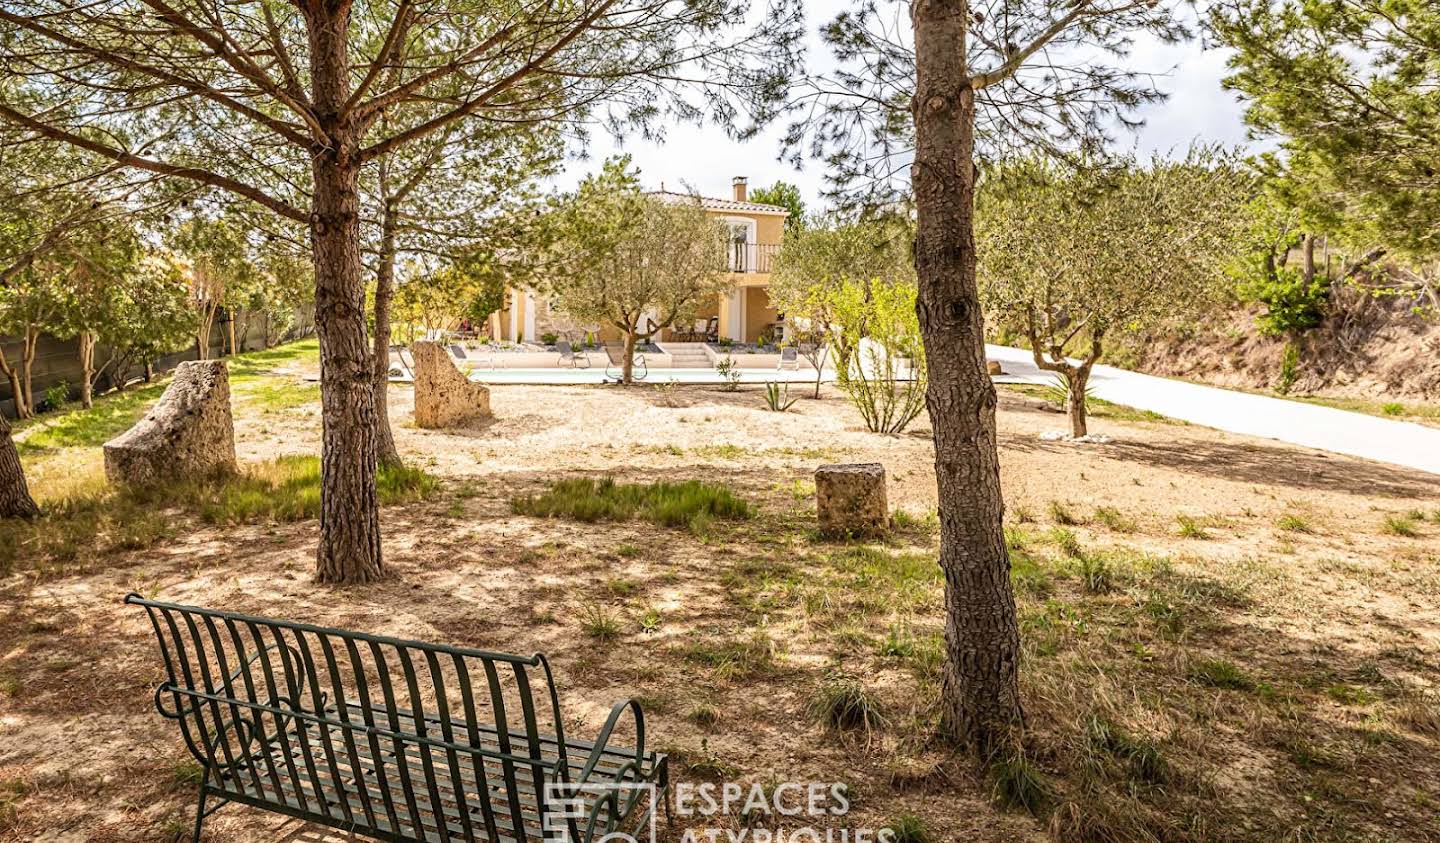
x,y
85,757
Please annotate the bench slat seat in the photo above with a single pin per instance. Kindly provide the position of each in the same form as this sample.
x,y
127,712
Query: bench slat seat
x,y
392,739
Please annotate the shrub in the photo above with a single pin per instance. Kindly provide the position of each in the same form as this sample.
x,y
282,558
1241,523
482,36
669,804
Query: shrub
x,y
1016,784
777,397
1401,525
1393,408
1190,528
1289,369
908,828
883,375
689,504
729,374
549,338
845,706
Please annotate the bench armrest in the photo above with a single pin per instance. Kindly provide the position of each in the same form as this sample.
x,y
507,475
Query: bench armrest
x,y
602,741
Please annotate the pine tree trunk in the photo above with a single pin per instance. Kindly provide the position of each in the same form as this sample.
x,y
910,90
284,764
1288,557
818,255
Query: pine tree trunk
x,y
349,550
15,500
980,695
87,369
149,371
386,452
234,317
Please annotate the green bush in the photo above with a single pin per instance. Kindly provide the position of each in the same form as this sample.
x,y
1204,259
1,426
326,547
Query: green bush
x,y
1291,305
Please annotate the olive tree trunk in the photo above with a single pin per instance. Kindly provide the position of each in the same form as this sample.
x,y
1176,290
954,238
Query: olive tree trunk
x,y
980,693
17,387
627,363
15,500
349,550
87,369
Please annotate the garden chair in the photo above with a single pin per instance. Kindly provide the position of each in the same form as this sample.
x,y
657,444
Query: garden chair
x,y
569,356
789,359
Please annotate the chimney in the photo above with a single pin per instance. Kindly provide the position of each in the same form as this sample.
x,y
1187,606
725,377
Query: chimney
x,y
739,184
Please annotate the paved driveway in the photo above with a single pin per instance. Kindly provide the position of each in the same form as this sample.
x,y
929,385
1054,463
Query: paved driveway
x,y
1356,434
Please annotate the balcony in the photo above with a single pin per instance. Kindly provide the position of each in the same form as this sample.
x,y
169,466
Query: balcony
x,y
752,257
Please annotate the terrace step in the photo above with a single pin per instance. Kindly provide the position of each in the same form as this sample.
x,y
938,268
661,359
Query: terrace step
x,y
684,355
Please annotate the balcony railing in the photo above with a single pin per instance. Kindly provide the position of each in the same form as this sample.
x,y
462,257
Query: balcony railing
x,y
752,257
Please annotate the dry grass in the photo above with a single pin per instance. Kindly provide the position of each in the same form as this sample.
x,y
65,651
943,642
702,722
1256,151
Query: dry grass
x,y
1176,689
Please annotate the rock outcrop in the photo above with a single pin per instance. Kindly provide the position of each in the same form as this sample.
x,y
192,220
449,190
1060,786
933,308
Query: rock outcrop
x,y
189,433
444,396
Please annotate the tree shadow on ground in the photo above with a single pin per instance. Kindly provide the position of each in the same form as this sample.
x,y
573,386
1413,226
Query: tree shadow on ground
x,y
1252,463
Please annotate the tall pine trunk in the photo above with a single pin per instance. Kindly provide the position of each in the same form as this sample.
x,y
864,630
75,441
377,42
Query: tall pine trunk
x,y
349,550
386,452
15,500
980,694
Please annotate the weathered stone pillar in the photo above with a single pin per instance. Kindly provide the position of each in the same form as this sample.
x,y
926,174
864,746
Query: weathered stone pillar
x,y
189,433
850,499
444,396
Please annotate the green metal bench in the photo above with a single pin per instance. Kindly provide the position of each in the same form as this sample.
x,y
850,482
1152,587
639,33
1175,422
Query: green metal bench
x,y
393,739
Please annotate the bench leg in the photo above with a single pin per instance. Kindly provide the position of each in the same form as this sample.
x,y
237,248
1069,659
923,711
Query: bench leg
x,y
199,816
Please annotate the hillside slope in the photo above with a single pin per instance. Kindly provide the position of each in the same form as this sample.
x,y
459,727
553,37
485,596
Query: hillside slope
x,y
1365,348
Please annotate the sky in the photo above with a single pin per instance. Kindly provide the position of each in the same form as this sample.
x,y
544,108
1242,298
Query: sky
x,y
705,159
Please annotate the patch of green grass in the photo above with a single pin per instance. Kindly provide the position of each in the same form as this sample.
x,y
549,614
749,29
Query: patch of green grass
x,y
1220,673
899,643
1029,573
1405,525
689,504
907,522
285,490
111,416
600,623
1095,574
627,551
1016,784
908,828
76,529
621,587
704,715
1292,523
1190,528
1392,408
733,657
1143,760
1061,513
1115,520
1066,541
649,620
843,705
274,394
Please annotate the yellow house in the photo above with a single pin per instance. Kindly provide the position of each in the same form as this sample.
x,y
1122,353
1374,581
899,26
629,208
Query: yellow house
x,y
743,313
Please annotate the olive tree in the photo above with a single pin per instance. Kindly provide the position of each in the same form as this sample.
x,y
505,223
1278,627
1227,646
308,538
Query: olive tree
x,y
285,104
632,261
819,262
1073,257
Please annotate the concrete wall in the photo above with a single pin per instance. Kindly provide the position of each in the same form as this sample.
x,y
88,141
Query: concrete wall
x,y
58,361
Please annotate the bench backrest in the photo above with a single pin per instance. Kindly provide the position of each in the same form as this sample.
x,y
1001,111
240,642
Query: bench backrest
x,y
407,739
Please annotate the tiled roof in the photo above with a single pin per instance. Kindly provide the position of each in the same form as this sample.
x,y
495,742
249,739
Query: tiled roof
x,y
711,203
